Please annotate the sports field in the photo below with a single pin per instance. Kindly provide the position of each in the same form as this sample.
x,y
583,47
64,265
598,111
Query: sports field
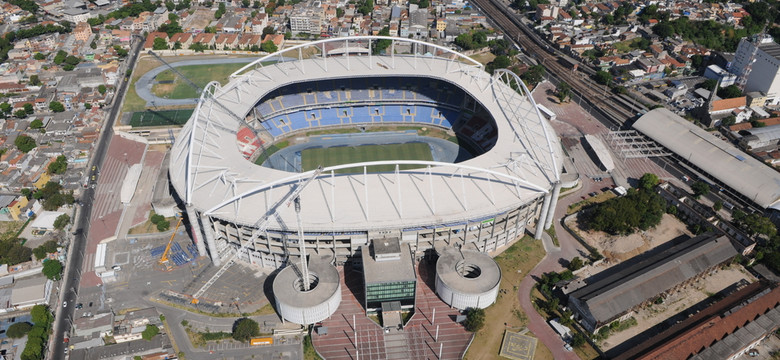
x,y
160,118
311,158
174,88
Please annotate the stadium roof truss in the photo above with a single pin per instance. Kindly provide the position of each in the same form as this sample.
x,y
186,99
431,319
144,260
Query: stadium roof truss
x,y
632,144
217,180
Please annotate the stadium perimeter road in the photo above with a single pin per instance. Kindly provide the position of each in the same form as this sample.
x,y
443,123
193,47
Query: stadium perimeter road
x,y
64,315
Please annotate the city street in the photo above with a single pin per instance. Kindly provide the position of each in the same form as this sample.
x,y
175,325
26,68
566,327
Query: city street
x,y
72,276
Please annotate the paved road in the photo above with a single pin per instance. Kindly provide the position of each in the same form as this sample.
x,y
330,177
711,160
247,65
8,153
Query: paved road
x,y
143,87
70,284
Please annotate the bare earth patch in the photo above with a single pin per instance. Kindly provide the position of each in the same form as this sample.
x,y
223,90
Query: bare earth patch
x,y
619,248
678,301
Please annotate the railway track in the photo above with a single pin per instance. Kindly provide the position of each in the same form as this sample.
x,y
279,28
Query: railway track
x,y
614,108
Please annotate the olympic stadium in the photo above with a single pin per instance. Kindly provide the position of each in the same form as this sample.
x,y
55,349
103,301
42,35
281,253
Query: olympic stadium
x,y
491,168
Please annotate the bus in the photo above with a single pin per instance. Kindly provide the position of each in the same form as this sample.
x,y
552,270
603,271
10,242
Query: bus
x,y
262,341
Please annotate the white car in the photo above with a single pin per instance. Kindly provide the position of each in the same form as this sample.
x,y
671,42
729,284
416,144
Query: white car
x,y
64,304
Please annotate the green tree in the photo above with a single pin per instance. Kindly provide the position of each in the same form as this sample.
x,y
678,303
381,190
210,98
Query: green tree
x,y
160,44
624,215
381,45
500,62
245,329
709,84
533,75
52,269
475,319
6,108
41,316
56,106
730,92
220,11
36,124
93,45
59,165
24,143
34,81
603,77
44,249
150,332
700,188
61,221
177,45
246,3
648,181
72,60
268,47
39,56
20,113
728,121
717,205
163,226
564,91
88,106
663,30
18,330
102,89
575,264
60,57
198,47
578,340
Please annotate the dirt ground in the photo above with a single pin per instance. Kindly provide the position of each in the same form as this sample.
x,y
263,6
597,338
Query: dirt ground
x,y
619,248
199,20
679,301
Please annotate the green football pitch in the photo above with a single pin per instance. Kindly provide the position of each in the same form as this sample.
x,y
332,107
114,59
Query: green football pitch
x,y
159,118
311,158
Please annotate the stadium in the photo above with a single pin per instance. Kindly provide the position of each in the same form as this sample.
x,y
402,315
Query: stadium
x,y
419,144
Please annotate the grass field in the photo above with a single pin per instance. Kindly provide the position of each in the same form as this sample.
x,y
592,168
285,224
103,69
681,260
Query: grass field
x,y
199,74
159,118
515,263
311,158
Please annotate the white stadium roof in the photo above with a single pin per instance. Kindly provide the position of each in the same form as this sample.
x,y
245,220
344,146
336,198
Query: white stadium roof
x,y
720,159
209,172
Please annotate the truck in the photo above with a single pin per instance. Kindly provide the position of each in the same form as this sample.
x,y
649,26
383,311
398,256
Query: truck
x,y
261,341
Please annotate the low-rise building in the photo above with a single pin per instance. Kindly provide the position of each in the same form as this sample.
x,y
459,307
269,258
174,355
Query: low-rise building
x,y
645,277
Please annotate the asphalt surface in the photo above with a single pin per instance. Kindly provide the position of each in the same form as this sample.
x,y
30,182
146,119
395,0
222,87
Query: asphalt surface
x,y
64,315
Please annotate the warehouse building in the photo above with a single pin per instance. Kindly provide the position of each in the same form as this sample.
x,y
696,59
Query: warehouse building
x,y
644,277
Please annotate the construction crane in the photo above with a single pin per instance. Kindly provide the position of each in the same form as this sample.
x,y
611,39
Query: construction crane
x,y
262,225
164,260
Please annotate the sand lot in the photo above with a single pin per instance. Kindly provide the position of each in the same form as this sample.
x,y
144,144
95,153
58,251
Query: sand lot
x,y
619,248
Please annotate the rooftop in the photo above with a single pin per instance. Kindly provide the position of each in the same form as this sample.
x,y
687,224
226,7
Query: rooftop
x,y
467,272
642,277
387,271
734,168
286,283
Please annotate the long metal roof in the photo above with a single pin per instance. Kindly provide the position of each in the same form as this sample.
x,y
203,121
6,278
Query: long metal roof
x,y
717,157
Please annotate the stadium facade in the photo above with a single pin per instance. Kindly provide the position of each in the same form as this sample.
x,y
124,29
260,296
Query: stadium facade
x,y
238,208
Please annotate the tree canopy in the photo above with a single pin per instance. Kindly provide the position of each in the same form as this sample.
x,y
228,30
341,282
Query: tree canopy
x,y
61,221
648,181
150,332
639,209
52,269
59,165
475,319
245,329
25,143
700,188
18,330
56,106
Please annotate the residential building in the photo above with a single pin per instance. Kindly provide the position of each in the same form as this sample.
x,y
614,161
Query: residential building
x,y
757,62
